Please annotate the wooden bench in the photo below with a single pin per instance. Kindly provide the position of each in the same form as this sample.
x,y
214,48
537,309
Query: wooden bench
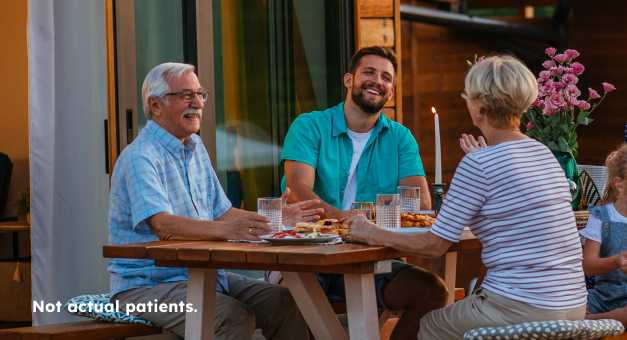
x,y
93,330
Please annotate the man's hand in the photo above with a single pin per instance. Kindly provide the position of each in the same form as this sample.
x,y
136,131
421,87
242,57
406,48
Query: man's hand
x,y
301,177
304,211
238,224
362,230
246,228
469,143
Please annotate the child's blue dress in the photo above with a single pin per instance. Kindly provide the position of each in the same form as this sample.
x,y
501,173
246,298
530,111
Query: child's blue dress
x,y
610,289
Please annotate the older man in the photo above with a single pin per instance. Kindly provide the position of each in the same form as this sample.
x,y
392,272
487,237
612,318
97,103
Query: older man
x,y
163,187
351,152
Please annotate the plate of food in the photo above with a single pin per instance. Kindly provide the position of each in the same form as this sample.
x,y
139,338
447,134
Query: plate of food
x,y
421,219
326,226
295,237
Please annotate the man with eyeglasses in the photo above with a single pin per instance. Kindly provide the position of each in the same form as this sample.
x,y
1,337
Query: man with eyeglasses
x,y
164,187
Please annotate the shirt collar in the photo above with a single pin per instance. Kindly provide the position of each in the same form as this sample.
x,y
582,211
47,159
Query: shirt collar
x,y
168,140
339,121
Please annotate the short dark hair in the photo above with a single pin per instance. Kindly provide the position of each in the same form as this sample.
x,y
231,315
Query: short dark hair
x,y
381,51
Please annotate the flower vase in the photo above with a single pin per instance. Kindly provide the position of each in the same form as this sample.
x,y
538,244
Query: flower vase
x,y
569,165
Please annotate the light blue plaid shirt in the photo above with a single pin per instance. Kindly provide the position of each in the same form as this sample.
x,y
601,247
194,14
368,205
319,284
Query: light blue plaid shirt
x,y
158,173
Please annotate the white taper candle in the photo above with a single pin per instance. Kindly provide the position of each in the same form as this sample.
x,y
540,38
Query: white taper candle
x,y
438,148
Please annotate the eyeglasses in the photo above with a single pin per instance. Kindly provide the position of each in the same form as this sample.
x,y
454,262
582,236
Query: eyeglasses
x,y
189,95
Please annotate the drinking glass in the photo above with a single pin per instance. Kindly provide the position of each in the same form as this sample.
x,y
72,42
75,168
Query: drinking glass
x,y
410,198
388,210
272,208
364,208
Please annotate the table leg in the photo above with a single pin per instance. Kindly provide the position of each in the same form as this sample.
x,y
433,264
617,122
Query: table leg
x,y
450,272
314,306
361,305
201,289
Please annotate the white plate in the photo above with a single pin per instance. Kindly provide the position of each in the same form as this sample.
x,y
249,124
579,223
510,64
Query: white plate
x,y
323,238
410,230
424,212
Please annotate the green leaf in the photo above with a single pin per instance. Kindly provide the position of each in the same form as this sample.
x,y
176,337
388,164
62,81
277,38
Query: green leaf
x,y
582,118
552,145
563,145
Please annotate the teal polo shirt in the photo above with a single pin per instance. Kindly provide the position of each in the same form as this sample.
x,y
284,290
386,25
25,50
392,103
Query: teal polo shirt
x,y
320,139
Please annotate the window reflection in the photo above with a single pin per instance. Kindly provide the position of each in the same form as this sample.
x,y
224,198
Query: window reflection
x,y
274,59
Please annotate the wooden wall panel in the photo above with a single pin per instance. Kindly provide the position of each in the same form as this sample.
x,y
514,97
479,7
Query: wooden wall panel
x,y
434,72
433,60
378,22
377,32
14,123
389,112
376,8
598,33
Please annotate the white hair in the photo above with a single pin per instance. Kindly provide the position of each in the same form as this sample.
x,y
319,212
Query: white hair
x,y
156,82
504,86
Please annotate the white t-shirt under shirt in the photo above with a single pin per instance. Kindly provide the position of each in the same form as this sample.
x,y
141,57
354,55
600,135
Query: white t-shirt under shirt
x,y
359,139
516,200
592,231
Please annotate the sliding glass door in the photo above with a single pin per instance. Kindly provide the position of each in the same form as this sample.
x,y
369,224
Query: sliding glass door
x,y
148,32
264,61
273,60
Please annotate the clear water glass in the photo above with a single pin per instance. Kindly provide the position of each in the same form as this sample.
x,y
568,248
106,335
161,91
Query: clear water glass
x,y
410,198
272,208
388,211
364,208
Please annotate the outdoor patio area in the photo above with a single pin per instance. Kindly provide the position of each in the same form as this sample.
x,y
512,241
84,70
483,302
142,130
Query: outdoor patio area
x,y
313,169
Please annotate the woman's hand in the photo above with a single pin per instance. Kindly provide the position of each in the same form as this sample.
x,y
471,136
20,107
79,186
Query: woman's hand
x,y
469,143
362,230
304,211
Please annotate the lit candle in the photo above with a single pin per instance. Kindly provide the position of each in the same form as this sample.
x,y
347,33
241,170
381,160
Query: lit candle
x,y
438,149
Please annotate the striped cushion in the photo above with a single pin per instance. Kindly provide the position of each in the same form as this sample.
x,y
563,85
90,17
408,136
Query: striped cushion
x,y
99,307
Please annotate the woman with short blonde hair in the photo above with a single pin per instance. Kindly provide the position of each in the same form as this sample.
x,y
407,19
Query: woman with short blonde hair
x,y
512,194
504,87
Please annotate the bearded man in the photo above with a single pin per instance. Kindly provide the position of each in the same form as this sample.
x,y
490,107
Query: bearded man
x,y
350,153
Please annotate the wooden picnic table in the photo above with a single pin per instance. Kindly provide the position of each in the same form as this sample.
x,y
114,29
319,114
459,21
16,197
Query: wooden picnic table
x,y
298,264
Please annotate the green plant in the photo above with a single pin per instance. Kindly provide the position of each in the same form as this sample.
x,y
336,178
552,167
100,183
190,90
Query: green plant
x,y
557,112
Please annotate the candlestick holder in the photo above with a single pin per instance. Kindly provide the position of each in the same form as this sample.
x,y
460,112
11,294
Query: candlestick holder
x,y
438,195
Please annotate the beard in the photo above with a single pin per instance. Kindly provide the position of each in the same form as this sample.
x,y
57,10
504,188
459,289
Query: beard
x,y
370,107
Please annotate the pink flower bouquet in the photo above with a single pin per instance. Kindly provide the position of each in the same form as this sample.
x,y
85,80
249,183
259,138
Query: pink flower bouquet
x,y
553,118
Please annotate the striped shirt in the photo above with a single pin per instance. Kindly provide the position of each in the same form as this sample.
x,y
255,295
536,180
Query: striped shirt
x,y
515,199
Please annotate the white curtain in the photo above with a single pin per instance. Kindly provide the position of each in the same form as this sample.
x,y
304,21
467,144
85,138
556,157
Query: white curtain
x,y
69,186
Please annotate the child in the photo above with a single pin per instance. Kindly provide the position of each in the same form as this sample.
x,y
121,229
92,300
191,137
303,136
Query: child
x,y
605,249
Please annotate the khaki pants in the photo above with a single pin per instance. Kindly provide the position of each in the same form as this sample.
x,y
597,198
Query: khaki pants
x,y
250,304
485,309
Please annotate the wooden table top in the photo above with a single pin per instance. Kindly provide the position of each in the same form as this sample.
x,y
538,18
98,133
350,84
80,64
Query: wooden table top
x,y
14,226
337,258
217,254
